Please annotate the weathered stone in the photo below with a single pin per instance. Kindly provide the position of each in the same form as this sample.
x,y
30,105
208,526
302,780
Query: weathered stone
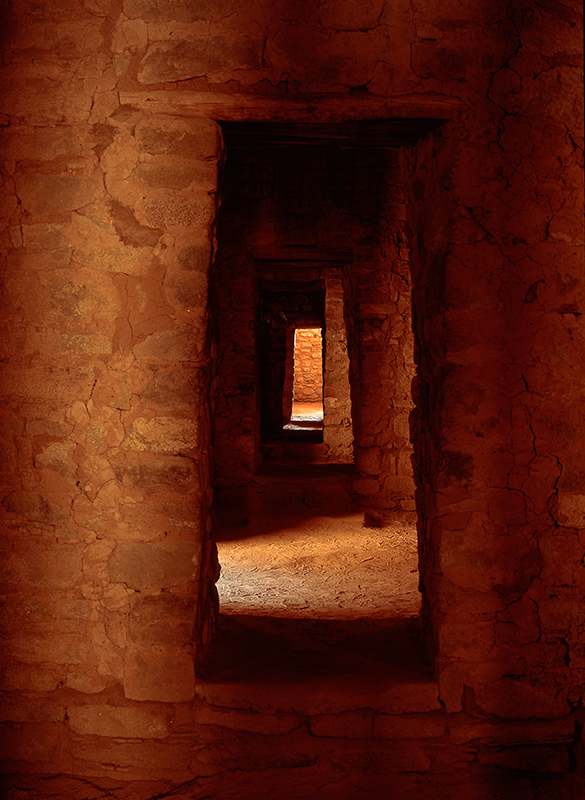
x,y
31,712
42,195
366,486
99,247
59,457
522,732
119,722
159,673
155,522
181,344
409,726
174,390
73,37
85,680
47,613
65,299
27,678
368,460
170,474
130,231
116,598
8,204
188,139
31,742
268,724
171,211
51,567
157,10
518,698
163,435
454,60
188,292
166,619
400,484
51,382
45,144
58,649
130,35
196,256
155,566
531,759
136,759
571,510
558,614
95,559
199,55
45,237
179,175
465,637
347,16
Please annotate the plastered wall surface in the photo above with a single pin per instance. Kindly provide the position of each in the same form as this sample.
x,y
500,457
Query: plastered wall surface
x,y
109,195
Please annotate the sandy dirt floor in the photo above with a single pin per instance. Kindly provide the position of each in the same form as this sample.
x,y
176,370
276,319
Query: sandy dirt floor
x,y
300,564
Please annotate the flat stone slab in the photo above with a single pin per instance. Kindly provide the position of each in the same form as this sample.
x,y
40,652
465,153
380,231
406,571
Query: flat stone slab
x,y
317,667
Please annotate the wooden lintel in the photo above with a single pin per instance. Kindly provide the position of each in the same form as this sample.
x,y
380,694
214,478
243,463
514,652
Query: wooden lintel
x,y
306,108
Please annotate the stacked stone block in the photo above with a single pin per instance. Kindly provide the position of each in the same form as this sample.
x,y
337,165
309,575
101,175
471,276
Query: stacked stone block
x,y
107,284
308,365
500,370
107,220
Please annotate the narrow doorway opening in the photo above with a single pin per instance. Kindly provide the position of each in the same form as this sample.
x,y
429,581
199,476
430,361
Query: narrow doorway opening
x,y
291,366
307,392
310,239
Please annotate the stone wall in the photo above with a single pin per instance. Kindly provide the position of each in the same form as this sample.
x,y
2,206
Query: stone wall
x,y
108,204
105,378
308,367
498,425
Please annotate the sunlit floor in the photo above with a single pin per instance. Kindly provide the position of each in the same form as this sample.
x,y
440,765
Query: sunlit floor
x,y
305,417
302,411
310,595
310,565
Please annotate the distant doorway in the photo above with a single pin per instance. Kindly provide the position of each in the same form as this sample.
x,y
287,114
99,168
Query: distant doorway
x,y
291,360
307,395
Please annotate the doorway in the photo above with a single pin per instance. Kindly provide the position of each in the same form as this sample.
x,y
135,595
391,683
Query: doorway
x,y
307,389
311,240
291,364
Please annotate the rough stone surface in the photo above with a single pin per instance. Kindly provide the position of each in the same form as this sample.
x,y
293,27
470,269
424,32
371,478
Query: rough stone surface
x,y
128,359
154,566
118,723
308,366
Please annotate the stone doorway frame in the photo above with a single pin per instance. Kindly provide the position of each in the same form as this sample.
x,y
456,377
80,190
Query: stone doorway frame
x,y
413,117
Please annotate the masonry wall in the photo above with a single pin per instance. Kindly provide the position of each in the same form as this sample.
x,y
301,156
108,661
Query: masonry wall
x,y
108,202
498,425
106,376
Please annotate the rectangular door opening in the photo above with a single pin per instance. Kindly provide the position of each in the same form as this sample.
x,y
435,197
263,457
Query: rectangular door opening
x,y
307,392
313,537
